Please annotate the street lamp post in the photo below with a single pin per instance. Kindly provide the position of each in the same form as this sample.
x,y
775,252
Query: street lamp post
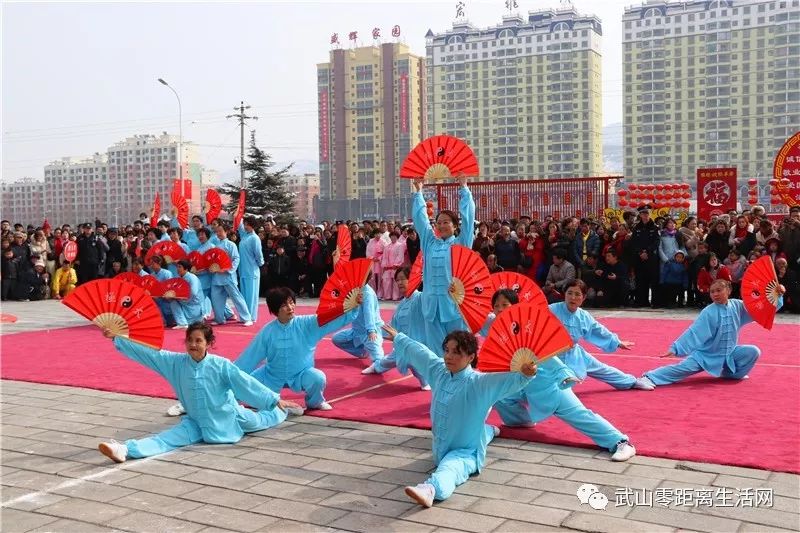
x,y
180,131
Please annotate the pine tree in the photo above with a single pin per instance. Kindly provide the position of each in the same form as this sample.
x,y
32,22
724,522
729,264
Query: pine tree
x,y
265,189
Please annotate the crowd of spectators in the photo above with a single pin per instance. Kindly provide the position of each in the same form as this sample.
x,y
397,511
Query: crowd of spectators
x,y
635,261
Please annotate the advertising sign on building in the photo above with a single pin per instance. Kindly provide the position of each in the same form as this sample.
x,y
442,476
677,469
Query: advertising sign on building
x,y
404,103
716,191
324,126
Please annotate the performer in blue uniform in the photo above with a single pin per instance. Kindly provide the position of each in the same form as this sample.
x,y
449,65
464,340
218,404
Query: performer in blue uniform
x,y
190,310
710,343
406,319
364,337
223,284
549,394
461,401
209,386
162,274
438,308
252,259
286,346
581,325
175,235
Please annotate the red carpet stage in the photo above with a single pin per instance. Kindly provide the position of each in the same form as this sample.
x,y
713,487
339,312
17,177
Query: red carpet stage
x,y
751,423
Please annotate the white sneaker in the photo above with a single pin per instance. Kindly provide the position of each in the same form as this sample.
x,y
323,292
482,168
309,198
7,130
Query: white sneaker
x,y
176,410
295,411
179,326
247,324
114,450
422,494
624,451
324,406
644,383
425,387
369,370
496,430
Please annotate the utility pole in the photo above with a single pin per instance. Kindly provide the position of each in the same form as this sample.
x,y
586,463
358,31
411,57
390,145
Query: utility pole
x,y
241,117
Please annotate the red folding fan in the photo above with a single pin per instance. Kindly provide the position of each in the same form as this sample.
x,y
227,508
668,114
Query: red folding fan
x,y
523,333
177,288
198,261
339,293
440,157
343,243
182,206
527,290
760,291
217,260
121,307
70,251
151,286
170,251
415,277
156,212
239,214
130,277
472,286
213,205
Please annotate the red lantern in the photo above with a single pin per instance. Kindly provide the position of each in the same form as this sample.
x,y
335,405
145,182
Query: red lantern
x,y
752,201
686,205
659,187
622,192
622,202
687,195
773,182
633,186
752,181
524,200
567,198
589,197
546,199
774,201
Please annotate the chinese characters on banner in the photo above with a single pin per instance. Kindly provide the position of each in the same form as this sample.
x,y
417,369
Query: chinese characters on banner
x,y
787,171
323,126
716,191
404,103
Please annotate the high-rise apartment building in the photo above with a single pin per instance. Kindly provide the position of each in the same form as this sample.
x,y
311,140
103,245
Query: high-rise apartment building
x,y
709,84
76,189
525,95
371,114
23,202
305,188
142,165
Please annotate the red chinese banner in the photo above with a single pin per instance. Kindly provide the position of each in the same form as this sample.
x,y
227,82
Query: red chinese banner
x,y
716,191
787,171
403,101
182,189
534,198
324,126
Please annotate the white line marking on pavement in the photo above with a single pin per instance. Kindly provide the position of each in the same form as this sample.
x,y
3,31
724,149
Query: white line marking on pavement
x,y
378,386
77,481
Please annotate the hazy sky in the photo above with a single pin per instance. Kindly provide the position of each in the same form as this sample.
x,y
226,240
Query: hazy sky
x,y
78,77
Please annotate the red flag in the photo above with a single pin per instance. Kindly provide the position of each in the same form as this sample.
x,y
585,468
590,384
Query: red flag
x,y
156,212
716,191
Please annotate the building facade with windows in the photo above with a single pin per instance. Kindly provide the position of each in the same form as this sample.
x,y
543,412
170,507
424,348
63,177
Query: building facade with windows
x,y
371,114
525,95
76,189
305,188
709,84
22,202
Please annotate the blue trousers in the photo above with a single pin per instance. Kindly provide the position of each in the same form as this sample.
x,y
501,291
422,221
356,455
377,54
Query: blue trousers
x,y
312,381
389,362
351,343
166,311
187,432
454,469
744,358
436,331
568,407
607,374
185,314
220,295
207,309
249,288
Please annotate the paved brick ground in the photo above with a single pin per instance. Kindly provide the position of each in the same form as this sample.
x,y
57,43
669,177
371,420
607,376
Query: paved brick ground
x,y
314,474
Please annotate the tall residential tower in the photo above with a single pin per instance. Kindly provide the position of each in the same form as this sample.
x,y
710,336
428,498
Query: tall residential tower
x,y
525,95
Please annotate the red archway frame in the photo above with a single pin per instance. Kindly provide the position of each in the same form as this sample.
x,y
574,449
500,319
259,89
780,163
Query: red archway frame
x,y
791,148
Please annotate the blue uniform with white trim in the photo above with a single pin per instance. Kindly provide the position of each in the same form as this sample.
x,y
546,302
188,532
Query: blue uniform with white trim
x,y
355,340
223,286
251,261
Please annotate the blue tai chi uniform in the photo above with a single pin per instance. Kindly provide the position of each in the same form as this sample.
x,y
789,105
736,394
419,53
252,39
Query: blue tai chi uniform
x,y
710,344
208,390
582,325
288,353
251,261
223,286
190,310
355,340
163,305
459,406
440,312
549,393
406,319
